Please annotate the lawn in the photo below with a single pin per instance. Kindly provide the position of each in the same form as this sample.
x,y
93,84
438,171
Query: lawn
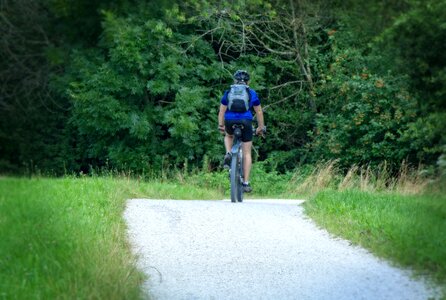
x,y
66,238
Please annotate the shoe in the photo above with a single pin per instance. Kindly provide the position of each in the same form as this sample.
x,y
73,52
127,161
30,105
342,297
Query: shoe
x,y
227,161
247,188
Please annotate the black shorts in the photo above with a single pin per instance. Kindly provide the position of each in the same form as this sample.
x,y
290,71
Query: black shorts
x,y
246,131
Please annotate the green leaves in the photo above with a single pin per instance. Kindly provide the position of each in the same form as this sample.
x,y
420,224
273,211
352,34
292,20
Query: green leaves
x,y
366,113
142,87
146,98
140,125
158,86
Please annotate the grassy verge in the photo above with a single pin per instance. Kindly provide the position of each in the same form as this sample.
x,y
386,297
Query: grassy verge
x,y
408,229
401,218
65,238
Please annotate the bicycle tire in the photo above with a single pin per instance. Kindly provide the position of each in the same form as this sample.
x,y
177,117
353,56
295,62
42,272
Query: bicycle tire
x,y
235,178
240,177
234,171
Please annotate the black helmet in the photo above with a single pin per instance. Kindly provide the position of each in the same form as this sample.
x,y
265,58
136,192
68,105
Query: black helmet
x,y
241,75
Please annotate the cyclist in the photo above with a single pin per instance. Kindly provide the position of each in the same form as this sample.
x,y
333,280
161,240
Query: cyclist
x,y
231,114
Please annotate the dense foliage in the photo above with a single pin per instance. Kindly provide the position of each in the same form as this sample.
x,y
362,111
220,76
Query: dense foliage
x,y
136,85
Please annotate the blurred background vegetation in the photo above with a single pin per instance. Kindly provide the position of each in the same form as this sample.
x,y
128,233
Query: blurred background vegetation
x,y
135,85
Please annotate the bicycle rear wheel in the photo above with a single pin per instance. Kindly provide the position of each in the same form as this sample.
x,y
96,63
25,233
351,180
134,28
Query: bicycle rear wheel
x,y
236,186
240,176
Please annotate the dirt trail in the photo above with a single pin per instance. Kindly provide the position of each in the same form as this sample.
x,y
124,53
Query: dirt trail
x,y
254,250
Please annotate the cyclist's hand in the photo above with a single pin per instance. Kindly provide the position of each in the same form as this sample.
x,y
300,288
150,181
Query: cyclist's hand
x,y
221,128
260,131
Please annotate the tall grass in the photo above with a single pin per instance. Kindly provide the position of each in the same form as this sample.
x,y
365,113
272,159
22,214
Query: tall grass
x,y
407,181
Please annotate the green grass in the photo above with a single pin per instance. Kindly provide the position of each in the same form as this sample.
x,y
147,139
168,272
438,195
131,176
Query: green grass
x,y
265,184
65,238
408,229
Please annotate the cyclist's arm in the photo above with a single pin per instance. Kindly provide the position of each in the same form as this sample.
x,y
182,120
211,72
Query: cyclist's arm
x,y
223,107
221,116
259,115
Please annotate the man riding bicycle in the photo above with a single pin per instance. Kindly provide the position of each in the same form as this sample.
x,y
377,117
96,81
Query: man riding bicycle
x,y
235,108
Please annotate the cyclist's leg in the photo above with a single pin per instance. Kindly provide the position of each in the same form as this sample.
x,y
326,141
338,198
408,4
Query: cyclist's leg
x,y
247,160
246,147
229,137
229,140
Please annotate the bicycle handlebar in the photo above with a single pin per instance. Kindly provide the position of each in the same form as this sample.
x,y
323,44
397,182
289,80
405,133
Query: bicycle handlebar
x,y
254,131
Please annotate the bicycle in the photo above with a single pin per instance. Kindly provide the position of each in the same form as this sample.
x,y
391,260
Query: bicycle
x,y
236,169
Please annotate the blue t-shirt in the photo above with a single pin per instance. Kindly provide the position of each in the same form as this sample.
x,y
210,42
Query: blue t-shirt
x,y
231,115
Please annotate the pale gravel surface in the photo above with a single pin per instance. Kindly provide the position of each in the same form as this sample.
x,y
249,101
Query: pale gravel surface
x,y
254,250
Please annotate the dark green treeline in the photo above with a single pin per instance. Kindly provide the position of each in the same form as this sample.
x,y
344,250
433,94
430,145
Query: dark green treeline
x,y
135,85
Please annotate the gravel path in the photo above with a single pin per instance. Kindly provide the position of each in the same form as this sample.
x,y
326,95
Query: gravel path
x,y
254,250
